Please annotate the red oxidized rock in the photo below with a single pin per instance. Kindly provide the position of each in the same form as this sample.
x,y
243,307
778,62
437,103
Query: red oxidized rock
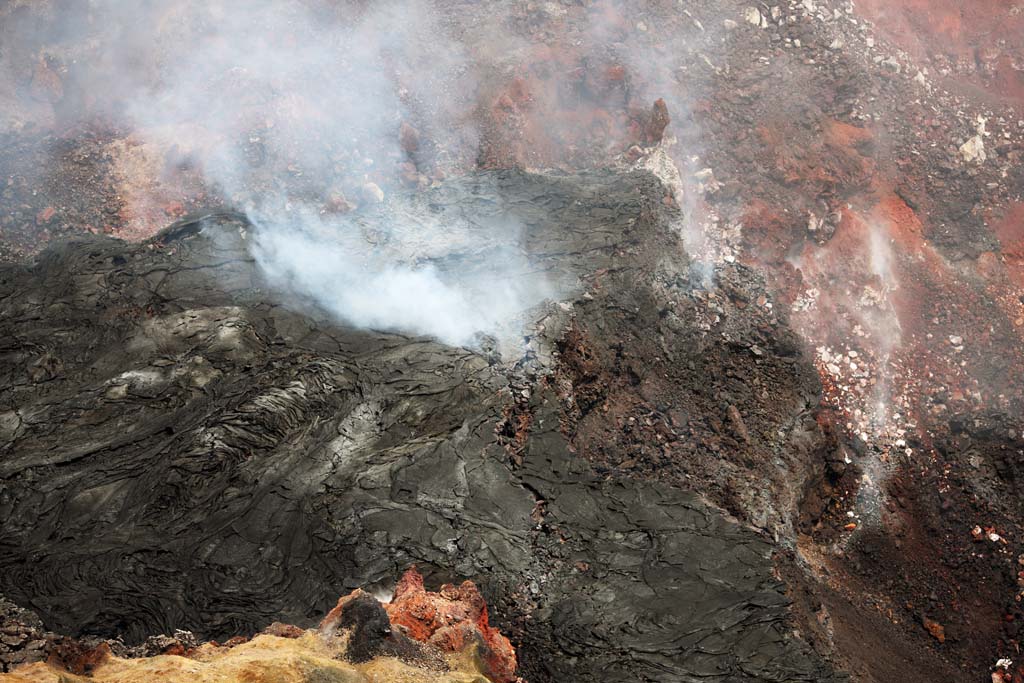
x,y
174,209
337,203
452,619
46,215
659,119
615,74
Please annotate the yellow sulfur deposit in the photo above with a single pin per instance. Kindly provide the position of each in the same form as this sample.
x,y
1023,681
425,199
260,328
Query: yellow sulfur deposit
x,y
264,659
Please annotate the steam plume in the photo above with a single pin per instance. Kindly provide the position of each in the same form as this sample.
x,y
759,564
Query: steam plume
x,y
285,106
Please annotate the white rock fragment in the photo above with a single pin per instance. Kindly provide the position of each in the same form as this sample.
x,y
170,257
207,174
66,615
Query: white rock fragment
x,y
753,16
814,223
554,9
373,193
973,151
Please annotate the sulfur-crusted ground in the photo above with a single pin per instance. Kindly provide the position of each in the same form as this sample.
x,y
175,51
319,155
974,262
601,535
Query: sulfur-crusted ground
x,y
264,659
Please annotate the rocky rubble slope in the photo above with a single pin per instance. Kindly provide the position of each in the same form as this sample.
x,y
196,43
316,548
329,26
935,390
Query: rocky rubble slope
x,y
186,448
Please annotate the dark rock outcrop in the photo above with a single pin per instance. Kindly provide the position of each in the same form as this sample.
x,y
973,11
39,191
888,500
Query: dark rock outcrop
x,y
23,639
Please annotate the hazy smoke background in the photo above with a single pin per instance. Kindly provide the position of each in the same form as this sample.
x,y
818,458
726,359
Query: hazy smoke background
x,y
302,87
281,103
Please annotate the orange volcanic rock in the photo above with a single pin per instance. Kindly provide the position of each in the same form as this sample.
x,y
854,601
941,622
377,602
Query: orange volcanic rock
x,y
452,619
562,108
283,630
769,231
46,215
1010,232
174,208
977,42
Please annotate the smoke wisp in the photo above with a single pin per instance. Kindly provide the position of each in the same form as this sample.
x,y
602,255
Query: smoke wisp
x,y
301,91
297,113
425,278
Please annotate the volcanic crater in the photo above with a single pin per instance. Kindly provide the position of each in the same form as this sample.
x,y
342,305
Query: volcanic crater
x,y
562,341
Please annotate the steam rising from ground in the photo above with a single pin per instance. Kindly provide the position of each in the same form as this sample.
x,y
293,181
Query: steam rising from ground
x,y
881,319
292,111
290,106
270,86
286,107
429,278
301,90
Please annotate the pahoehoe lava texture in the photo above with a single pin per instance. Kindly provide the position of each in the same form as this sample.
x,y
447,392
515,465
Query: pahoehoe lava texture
x,y
181,450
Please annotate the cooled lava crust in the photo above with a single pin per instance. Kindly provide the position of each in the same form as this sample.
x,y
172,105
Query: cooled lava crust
x,y
182,451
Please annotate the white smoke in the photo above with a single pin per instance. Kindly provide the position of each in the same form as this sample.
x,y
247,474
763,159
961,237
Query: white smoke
x,y
282,104
399,283
882,320
292,110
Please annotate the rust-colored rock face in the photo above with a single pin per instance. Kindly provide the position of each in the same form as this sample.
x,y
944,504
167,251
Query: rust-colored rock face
x,y
421,625
659,119
452,619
